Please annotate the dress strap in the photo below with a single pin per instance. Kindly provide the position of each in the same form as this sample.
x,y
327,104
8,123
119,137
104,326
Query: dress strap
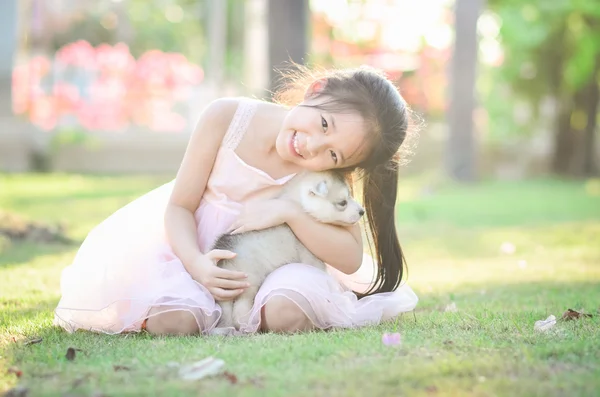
x,y
239,124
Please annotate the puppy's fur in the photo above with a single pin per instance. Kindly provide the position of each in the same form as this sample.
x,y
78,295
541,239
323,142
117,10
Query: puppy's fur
x,y
325,196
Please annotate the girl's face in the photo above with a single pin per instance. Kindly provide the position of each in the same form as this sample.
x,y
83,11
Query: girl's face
x,y
317,140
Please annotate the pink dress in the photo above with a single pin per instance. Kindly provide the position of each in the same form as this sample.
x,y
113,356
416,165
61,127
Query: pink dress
x,y
125,266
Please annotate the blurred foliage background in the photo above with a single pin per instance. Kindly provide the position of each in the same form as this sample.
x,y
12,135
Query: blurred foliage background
x,y
535,69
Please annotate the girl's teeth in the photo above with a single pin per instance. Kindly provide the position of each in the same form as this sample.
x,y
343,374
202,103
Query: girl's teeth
x,y
296,144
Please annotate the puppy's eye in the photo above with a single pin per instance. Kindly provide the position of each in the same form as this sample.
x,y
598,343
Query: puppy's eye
x,y
343,203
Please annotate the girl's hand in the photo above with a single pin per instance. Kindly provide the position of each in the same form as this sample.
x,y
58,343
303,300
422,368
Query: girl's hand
x,y
263,214
221,283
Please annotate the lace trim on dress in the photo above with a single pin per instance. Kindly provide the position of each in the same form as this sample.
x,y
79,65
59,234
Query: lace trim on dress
x,y
239,124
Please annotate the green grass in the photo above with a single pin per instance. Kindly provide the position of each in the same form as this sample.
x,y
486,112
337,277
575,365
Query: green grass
x,y
451,237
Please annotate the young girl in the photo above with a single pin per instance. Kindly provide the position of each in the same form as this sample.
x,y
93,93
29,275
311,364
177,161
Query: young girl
x,y
149,265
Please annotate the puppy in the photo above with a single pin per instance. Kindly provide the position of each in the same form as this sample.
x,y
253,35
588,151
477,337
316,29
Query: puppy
x,y
323,195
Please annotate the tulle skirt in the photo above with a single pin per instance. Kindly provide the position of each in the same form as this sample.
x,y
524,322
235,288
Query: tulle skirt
x,y
125,268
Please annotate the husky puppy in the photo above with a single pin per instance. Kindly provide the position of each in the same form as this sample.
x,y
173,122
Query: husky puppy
x,y
325,196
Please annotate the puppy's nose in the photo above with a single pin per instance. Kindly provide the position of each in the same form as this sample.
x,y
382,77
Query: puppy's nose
x,y
361,212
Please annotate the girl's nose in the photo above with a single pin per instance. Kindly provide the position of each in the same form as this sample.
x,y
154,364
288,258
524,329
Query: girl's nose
x,y
314,145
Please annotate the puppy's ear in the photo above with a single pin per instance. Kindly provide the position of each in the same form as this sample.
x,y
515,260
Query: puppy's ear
x,y
320,190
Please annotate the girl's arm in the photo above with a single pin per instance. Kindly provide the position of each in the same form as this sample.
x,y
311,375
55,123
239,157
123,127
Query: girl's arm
x,y
192,177
339,247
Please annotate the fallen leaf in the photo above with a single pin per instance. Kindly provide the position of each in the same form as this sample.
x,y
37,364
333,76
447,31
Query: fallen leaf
x,y
230,377
172,364
18,391
32,341
507,248
391,339
208,367
70,354
544,325
121,368
16,371
79,381
571,314
451,308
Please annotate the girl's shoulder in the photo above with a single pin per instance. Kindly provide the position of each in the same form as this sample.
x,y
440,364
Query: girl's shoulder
x,y
221,111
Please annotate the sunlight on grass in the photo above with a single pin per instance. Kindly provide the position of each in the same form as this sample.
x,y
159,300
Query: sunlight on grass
x,y
453,238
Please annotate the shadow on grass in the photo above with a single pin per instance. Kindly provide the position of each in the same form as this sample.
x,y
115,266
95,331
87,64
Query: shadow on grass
x,y
21,253
17,314
126,194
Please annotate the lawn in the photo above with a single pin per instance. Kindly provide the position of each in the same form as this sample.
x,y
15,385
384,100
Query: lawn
x,y
472,333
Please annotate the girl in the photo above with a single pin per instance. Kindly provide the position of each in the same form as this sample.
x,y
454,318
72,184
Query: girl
x,y
148,266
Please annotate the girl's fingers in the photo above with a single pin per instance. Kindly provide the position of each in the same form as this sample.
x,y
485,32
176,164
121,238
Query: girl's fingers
x,y
229,274
221,254
233,226
224,294
237,230
230,284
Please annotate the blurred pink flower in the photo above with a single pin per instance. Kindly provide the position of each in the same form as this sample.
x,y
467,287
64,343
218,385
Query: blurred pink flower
x,y
66,97
393,339
80,54
116,90
43,113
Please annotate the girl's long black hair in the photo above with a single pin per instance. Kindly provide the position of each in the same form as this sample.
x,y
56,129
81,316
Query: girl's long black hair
x,y
378,101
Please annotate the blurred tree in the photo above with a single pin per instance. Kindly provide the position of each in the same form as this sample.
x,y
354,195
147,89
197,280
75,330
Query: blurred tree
x,y
288,34
7,55
171,26
460,153
552,49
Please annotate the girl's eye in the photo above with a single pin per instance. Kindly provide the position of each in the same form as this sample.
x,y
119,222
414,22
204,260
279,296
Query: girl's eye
x,y
334,156
324,123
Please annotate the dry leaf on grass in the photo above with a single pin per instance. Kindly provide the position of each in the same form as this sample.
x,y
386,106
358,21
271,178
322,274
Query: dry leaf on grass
x,y
70,354
16,371
571,314
208,367
32,341
451,308
79,381
507,248
545,325
19,391
230,377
